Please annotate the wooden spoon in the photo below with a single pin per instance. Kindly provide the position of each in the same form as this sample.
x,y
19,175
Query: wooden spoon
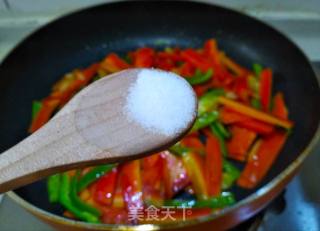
x,y
91,129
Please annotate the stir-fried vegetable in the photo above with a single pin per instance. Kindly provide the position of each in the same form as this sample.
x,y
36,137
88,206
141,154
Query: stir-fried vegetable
x,y
239,122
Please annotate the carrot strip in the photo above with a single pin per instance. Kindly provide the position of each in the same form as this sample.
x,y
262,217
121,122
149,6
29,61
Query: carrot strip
x,y
253,113
195,169
260,162
240,142
113,63
213,166
232,65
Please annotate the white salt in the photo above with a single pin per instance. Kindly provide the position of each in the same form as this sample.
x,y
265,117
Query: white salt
x,y
161,102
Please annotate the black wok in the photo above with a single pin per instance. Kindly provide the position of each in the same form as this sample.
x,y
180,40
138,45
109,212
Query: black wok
x,y
81,38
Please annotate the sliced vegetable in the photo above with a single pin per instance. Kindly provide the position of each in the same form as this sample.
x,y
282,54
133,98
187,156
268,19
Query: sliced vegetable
x,y
143,57
65,200
194,58
205,120
93,175
53,187
279,107
77,202
175,176
208,101
230,174
240,143
225,199
131,185
255,114
195,169
152,182
213,166
105,188
113,63
36,106
265,88
215,130
200,78
257,68
44,114
261,159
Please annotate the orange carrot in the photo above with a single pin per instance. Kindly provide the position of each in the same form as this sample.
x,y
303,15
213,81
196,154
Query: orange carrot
x,y
253,113
240,142
195,169
260,162
213,166
232,65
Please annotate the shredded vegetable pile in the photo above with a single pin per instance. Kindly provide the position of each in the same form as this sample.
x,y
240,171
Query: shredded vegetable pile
x,y
239,132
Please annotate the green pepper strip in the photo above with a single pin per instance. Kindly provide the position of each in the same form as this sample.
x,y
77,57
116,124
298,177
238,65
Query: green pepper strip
x,y
257,68
78,202
200,78
225,199
65,200
93,175
230,174
256,103
178,149
221,129
36,106
220,138
209,101
53,187
205,120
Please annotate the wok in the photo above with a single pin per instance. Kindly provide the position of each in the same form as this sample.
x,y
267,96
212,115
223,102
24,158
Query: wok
x,y
84,37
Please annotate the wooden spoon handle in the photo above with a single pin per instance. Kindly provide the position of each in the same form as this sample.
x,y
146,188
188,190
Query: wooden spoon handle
x,y
44,153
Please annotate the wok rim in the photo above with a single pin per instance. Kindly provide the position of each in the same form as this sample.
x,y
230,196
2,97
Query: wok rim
x,y
261,192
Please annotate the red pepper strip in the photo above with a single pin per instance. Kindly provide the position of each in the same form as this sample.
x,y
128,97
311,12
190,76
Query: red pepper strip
x,y
279,107
114,216
259,164
113,63
90,71
256,126
212,53
143,57
175,176
105,188
170,215
193,142
186,70
240,87
213,165
222,77
194,58
195,169
265,90
131,185
152,168
202,88
43,116
240,142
